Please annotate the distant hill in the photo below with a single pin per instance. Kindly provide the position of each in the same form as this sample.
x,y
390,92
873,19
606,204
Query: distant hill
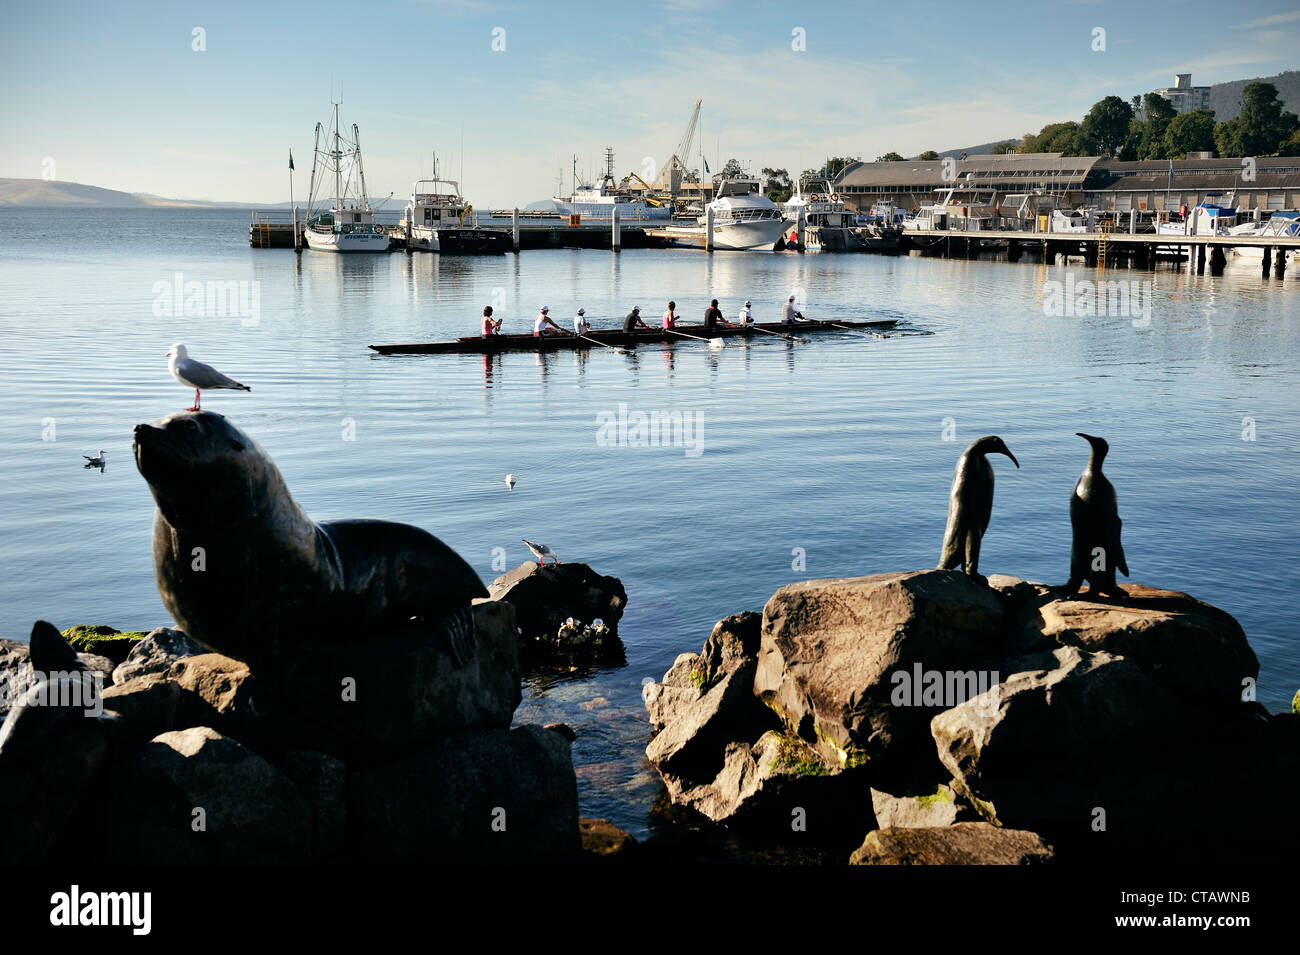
x,y
40,192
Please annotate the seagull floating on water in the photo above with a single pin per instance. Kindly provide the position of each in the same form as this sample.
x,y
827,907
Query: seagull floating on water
x,y
98,461
541,552
510,481
197,375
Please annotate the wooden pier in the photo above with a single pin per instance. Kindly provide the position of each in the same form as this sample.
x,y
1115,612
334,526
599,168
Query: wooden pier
x,y
1104,247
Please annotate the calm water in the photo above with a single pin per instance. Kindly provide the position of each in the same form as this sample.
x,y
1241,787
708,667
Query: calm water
x,y
835,446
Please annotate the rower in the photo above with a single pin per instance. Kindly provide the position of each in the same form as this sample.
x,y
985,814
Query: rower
x,y
541,323
491,326
790,315
580,326
746,316
713,317
670,316
633,321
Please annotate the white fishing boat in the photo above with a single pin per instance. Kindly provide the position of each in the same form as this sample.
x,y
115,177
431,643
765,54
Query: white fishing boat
x,y
826,218
602,200
438,219
348,225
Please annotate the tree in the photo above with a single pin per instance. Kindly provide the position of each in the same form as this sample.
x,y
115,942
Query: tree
x,y
777,184
1188,133
732,169
1290,146
1106,127
1001,149
1157,113
1054,138
1261,126
928,154
889,157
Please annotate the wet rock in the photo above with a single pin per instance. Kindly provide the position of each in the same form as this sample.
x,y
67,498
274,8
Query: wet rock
x,y
545,597
603,841
488,795
156,653
966,843
564,729
195,796
831,649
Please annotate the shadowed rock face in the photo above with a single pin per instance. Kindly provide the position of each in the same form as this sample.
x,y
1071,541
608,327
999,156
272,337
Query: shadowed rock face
x,y
544,597
965,843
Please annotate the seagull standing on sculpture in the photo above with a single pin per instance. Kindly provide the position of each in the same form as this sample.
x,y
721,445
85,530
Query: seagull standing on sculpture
x,y
1095,550
197,375
970,505
541,552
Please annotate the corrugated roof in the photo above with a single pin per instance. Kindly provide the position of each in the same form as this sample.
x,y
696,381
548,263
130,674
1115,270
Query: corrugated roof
x,y
1007,168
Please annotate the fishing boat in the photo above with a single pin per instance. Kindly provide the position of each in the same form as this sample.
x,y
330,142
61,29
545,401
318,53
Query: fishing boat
x,y
826,218
602,200
435,221
617,338
349,224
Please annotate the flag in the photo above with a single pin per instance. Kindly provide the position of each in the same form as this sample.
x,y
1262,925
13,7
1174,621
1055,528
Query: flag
x,y
291,159
706,166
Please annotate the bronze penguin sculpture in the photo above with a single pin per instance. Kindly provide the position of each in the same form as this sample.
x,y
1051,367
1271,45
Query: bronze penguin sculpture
x,y
1096,550
970,504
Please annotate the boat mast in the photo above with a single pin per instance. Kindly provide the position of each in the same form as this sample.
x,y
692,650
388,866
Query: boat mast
x,y
338,164
315,157
361,172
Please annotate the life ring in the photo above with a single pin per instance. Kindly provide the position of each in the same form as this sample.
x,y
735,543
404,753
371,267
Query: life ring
x,y
814,198
835,197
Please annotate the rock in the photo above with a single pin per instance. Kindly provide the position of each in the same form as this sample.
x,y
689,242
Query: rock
x,y
103,641
1295,703
781,788
147,705
486,795
941,807
681,686
564,729
156,653
830,650
1065,733
966,843
250,812
400,691
322,781
734,642
544,597
219,692
38,799
1191,648
603,841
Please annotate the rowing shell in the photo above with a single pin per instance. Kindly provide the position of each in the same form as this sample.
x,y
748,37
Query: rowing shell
x,y
491,344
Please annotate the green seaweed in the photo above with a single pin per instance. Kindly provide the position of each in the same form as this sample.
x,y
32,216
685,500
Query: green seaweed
x,y
93,638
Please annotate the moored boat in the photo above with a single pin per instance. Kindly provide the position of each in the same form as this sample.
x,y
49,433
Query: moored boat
x,y
349,224
435,221
617,338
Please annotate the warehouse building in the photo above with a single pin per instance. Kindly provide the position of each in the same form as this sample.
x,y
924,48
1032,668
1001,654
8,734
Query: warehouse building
x,y
1267,184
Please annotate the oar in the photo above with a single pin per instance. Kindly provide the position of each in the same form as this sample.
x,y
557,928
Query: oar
x,y
850,328
596,341
768,331
712,342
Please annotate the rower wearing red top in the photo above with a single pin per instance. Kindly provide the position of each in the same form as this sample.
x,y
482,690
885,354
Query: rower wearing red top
x,y
670,316
491,326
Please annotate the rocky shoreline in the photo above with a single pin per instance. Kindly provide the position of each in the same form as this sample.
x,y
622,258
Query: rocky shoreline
x,y
910,718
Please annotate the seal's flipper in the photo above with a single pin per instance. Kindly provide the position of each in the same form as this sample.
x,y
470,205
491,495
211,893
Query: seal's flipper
x,y
49,652
459,628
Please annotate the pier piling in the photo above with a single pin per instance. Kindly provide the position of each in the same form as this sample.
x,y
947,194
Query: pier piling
x,y
514,228
615,242
708,228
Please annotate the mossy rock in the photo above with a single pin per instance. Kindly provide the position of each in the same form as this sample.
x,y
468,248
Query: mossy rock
x,y
797,758
1295,703
103,641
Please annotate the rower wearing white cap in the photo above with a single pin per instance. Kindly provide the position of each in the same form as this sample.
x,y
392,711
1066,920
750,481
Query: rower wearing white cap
x,y
541,322
746,316
789,314
580,326
633,321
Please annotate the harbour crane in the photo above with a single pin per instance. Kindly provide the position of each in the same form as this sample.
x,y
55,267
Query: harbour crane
x,y
670,175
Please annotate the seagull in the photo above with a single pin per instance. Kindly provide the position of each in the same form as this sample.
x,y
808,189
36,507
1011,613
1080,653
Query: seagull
x,y
541,552
98,461
198,375
510,481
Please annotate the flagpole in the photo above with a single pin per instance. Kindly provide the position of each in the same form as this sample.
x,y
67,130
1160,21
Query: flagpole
x,y
297,247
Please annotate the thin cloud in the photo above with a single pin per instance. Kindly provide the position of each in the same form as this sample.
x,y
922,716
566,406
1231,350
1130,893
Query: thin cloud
x,y
1272,21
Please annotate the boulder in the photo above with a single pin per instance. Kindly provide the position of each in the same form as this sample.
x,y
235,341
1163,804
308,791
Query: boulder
x,y
156,653
831,651
1189,647
966,843
545,597
400,691
939,807
322,781
681,686
217,691
146,705
486,795
99,640
602,841
195,796
1065,733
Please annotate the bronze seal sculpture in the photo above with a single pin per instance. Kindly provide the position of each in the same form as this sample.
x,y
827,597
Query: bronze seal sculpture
x,y
244,571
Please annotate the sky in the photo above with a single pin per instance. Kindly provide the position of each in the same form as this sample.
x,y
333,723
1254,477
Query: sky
x,y
117,95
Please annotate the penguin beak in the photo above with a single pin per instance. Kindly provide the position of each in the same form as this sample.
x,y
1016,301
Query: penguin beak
x,y
1086,437
1007,452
